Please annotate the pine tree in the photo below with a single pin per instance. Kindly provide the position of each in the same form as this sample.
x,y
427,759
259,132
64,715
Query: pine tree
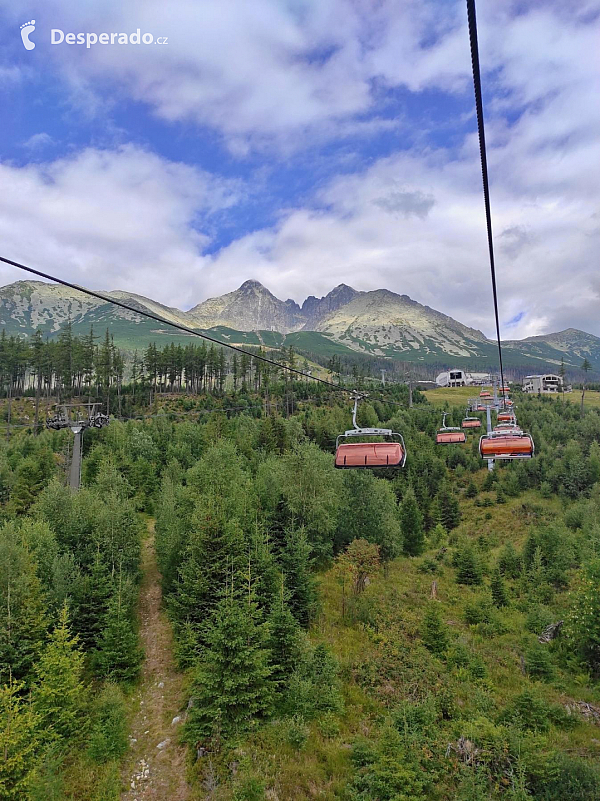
x,y
411,522
59,693
449,509
299,579
284,642
233,687
434,632
467,564
18,742
498,589
90,602
22,610
118,656
471,491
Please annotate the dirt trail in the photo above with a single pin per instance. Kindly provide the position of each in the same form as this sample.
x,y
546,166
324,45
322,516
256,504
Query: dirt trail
x,y
152,773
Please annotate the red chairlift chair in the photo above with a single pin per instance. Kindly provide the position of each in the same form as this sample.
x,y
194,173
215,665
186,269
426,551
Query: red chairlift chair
x,y
449,435
369,455
506,445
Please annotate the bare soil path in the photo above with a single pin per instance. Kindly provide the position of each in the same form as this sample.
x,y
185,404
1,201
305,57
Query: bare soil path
x,y
155,767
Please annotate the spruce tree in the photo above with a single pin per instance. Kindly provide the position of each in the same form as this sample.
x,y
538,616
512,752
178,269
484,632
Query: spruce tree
x,y
284,642
498,589
471,491
18,742
467,564
59,693
233,687
434,632
411,522
22,610
90,603
118,656
449,509
299,579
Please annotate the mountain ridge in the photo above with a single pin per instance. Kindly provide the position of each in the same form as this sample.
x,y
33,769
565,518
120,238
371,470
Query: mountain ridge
x,y
377,323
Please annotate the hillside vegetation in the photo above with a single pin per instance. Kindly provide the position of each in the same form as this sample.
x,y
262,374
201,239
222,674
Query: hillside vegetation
x,y
344,635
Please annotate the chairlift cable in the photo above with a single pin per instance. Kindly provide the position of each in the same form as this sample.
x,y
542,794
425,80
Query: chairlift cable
x,y
484,170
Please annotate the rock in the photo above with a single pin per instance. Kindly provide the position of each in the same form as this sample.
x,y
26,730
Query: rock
x,y
164,744
161,684
551,632
176,720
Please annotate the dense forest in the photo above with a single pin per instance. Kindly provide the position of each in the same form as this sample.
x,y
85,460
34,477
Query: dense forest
x,y
430,633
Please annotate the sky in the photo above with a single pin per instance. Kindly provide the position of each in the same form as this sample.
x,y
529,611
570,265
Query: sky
x,y
304,144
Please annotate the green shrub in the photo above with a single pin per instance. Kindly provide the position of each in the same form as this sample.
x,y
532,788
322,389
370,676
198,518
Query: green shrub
x,y
329,725
479,610
538,663
538,617
564,778
108,737
529,711
250,789
297,733
509,562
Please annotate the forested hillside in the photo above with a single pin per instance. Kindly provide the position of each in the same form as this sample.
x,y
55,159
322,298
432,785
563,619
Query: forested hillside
x,y
430,633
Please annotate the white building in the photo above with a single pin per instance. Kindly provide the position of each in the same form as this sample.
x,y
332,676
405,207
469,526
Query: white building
x,y
459,378
543,384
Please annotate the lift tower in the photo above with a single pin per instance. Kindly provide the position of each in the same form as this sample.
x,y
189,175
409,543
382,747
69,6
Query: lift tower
x,y
77,417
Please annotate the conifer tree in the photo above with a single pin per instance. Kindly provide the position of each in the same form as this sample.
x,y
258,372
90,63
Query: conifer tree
x,y
434,632
90,602
411,522
59,693
118,656
22,610
299,579
467,564
498,589
233,686
471,491
284,642
18,742
449,509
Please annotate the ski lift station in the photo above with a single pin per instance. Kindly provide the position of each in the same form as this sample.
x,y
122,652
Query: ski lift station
x,y
548,384
459,378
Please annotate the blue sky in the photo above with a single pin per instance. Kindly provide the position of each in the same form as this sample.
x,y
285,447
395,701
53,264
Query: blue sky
x,y
306,144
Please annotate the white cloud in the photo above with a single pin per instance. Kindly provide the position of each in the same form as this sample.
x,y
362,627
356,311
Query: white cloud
x,y
122,219
278,76
38,141
262,72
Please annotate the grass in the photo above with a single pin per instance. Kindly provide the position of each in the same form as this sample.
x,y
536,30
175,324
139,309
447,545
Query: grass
x,y
458,396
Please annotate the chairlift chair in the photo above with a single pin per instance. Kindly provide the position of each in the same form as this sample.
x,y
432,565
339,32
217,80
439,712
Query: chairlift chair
x,y
506,445
505,417
449,435
470,422
369,455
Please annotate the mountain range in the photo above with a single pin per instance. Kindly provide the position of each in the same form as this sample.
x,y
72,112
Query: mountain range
x,y
377,323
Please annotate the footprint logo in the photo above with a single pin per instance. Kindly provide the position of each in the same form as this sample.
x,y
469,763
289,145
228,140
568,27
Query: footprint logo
x,y
26,29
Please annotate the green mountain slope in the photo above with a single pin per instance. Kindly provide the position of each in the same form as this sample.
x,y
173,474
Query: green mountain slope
x,y
379,324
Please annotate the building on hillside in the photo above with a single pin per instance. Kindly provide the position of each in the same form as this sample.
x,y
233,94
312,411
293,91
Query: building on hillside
x,y
460,378
543,384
